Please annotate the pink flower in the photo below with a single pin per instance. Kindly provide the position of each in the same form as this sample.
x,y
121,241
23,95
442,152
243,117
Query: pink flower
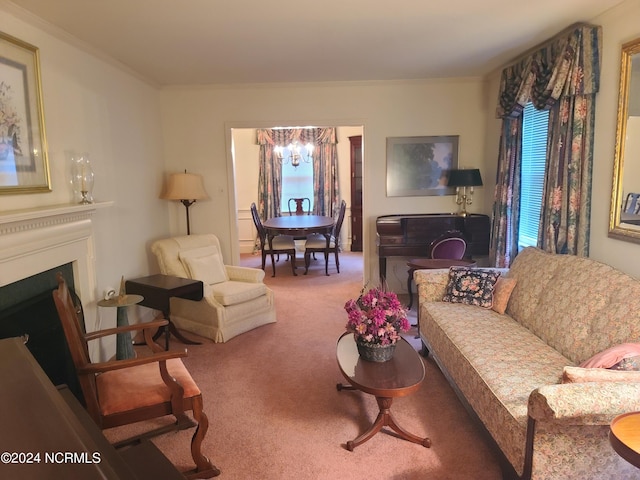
x,y
376,317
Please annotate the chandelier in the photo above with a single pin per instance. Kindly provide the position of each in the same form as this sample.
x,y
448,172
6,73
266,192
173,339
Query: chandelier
x,y
295,154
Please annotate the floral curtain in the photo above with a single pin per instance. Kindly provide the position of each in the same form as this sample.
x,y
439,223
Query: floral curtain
x,y
506,208
269,177
566,209
325,171
326,191
563,77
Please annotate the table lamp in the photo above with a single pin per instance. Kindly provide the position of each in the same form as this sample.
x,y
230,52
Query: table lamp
x,y
186,187
463,178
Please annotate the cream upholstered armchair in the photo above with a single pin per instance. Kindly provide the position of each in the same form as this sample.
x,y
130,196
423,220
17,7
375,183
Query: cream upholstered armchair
x,y
235,298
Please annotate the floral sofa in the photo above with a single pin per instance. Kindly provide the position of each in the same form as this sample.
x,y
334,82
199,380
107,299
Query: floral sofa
x,y
520,373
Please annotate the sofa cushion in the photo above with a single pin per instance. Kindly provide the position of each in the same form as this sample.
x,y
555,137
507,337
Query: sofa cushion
x,y
575,304
502,293
141,386
489,357
579,375
232,293
471,286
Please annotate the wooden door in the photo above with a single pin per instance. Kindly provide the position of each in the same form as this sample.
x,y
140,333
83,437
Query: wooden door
x,y
356,193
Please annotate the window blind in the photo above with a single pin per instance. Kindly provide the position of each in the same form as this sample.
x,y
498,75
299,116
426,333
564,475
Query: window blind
x,y
534,154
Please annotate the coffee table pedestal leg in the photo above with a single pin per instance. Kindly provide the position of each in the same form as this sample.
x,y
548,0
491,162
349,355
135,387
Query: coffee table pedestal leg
x,y
385,419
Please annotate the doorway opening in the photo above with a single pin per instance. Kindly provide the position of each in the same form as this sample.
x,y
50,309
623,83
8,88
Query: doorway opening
x,y
245,158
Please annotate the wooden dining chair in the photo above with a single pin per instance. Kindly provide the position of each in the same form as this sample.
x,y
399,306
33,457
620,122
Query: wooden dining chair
x,y
121,392
318,243
280,244
299,206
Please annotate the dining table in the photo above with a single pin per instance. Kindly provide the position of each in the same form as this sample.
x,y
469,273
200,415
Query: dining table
x,y
298,226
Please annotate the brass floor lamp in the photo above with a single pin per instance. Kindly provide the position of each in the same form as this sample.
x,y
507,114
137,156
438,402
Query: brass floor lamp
x,y
187,188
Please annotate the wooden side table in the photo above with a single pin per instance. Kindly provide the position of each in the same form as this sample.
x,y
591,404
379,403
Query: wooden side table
x,y
625,437
430,264
124,345
158,289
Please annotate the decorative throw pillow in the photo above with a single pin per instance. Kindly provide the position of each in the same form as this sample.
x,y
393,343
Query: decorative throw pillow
x,y
195,253
580,375
612,357
471,286
628,364
502,293
209,269
198,252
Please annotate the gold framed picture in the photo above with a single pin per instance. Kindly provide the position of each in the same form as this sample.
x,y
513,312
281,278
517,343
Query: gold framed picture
x,y
24,166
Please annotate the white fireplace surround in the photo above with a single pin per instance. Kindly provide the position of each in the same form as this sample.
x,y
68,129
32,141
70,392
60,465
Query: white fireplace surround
x,y
39,239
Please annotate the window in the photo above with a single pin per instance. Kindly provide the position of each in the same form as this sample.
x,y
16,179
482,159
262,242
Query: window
x,y
297,182
534,154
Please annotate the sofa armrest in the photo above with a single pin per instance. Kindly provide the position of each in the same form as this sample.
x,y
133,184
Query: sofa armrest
x,y
245,274
589,403
431,284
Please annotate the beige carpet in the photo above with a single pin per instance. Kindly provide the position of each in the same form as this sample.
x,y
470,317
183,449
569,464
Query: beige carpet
x,y
274,411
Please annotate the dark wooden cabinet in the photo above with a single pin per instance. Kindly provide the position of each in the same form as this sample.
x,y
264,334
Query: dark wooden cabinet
x,y
356,193
410,235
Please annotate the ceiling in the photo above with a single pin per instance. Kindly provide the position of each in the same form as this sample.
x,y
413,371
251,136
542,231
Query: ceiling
x,y
197,42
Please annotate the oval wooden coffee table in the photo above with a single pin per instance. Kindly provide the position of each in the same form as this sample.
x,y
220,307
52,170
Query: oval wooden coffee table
x,y
398,377
625,437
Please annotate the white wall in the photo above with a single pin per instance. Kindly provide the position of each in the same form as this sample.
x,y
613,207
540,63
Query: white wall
x,y
95,107
198,120
620,25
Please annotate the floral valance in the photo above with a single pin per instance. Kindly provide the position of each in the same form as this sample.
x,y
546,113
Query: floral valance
x,y
285,136
568,65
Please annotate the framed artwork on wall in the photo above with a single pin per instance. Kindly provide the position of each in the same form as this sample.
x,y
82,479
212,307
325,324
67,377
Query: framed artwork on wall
x,y
420,165
24,167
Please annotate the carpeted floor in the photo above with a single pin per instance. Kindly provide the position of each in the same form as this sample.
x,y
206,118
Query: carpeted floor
x,y
274,411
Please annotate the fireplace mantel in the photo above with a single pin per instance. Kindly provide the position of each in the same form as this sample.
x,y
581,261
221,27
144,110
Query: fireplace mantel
x,y
38,239
13,221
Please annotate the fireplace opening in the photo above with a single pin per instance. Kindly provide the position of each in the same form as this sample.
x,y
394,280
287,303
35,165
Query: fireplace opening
x,y
27,308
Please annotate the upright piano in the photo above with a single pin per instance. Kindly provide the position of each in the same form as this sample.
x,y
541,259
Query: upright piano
x,y
410,235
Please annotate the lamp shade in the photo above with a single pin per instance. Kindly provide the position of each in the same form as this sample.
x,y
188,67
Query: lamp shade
x,y
467,177
185,186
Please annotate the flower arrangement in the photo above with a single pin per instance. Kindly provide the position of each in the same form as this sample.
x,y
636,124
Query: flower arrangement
x,y
376,317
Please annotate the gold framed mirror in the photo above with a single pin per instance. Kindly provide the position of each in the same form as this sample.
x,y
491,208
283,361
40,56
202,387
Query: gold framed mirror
x,y
624,221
